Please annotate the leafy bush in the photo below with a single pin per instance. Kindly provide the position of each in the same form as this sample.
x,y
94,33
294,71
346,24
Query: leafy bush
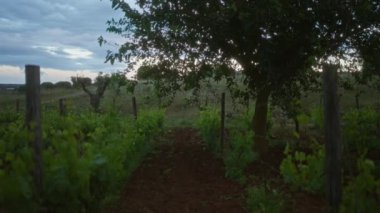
x,y
363,192
241,153
15,165
47,85
317,117
359,130
263,199
304,171
7,117
63,84
208,125
87,159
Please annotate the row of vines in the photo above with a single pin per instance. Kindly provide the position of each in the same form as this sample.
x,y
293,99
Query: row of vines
x,y
86,159
303,165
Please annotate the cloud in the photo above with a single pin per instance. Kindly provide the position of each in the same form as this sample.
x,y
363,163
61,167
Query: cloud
x,y
16,74
60,34
7,24
11,74
55,75
66,52
77,53
49,49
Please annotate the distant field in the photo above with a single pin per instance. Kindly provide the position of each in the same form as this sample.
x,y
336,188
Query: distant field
x,y
49,98
181,111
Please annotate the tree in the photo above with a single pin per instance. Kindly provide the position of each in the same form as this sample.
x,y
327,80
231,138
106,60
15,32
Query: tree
x,y
78,81
47,85
131,86
101,83
275,42
164,80
63,84
119,80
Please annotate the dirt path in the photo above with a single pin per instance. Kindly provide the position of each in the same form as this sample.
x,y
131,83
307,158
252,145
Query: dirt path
x,y
181,176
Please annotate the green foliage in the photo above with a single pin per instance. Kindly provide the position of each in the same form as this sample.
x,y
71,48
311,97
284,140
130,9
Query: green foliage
x,y
363,192
359,130
150,122
208,125
131,86
63,84
263,199
241,153
117,80
164,80
87,159
260,38
303,119
304,171
47,85
16,162
317,117
7,117
289,98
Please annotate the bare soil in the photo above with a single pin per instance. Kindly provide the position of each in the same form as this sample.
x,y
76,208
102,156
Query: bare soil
x,y
182,176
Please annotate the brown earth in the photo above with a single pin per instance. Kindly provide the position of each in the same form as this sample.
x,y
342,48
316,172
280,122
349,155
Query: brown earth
x,y
181,176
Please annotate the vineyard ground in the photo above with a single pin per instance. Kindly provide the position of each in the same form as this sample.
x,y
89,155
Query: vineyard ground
x,y
182,175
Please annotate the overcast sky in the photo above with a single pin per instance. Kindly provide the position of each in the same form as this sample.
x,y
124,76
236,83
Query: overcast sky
x,y
59,35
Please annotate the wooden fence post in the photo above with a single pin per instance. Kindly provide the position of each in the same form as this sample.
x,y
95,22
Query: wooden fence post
x,y
222,116
33,119
62,107
332,137
134,107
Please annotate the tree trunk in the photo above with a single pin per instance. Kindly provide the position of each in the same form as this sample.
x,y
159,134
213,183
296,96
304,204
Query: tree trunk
x,y
296,124
95,102
259,122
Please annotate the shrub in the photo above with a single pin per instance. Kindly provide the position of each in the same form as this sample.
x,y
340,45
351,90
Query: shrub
x,y
317,117
263,199
47,85
304,171
208,125
362,193
359,130
241,153
63,84
15,165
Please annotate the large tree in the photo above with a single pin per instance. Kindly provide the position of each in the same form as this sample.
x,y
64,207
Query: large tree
x,y
275,42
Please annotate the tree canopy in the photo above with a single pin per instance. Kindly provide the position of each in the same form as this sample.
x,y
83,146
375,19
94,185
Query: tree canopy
x,y
275,42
